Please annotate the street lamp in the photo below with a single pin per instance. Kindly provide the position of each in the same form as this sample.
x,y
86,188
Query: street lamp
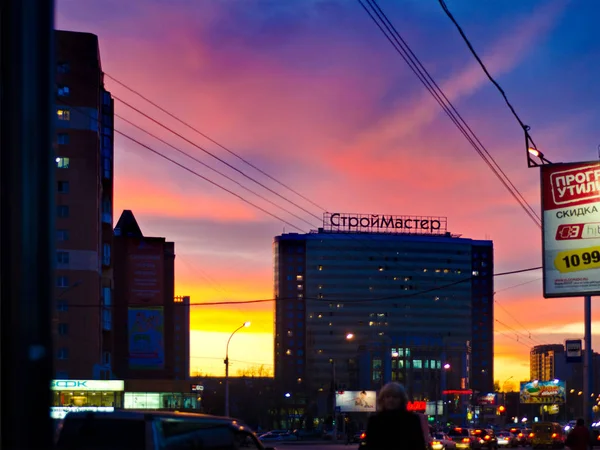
x,y
532,153
506,381
244,325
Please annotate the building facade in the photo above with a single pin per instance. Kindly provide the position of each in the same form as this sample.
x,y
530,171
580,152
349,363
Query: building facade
x,y
147,343
342,294
82,318
547,362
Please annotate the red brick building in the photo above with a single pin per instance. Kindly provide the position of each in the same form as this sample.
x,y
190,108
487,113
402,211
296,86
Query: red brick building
x,y
151,337
82,322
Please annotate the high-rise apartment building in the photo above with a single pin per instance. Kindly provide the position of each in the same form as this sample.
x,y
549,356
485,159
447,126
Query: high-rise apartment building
x,y
388,281
547,362
151,337
82,319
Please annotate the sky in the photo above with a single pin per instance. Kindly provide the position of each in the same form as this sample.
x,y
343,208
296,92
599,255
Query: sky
x,y
312,93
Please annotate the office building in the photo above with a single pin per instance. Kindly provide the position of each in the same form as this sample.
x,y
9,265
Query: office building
x,y
547,362
399,283
82,322
151,337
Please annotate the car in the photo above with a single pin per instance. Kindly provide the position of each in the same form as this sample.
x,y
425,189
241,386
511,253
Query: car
x,y
441,441
153,430
462,437
507,439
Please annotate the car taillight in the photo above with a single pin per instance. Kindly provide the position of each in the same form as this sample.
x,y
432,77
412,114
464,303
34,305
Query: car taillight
x,y
520,435
363,435
554,435
466,440
531,435
436,443
599,437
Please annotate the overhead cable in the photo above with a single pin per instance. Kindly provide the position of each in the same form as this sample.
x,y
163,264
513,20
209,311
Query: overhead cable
x,y
231,152
400,45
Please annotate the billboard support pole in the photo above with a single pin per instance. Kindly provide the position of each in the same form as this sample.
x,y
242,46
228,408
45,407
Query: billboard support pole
x,y
587,361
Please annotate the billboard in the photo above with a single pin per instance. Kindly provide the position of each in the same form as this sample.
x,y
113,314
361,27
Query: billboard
x,y
489,399
543,392
356,401
571,229
573,350
146,338
146,272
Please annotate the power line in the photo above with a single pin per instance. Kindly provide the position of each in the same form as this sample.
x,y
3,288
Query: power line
x,y
517,332
231,166
214,183
514,339
327,300
170,114
213,169
162,155
433,88
485,70
517,321
518,285
257,363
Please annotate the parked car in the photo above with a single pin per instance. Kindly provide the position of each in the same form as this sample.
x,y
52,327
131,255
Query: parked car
x,y
153,430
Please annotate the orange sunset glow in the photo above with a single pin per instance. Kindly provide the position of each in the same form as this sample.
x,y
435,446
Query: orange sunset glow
x,y
311,93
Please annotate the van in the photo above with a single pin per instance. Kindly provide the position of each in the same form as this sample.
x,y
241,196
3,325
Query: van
x,y
548,435
154,430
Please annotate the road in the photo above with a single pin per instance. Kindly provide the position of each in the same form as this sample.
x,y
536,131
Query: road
x,y
327,446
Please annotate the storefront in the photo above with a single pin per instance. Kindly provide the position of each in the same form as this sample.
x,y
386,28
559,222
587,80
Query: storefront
x,y
85,395
160,395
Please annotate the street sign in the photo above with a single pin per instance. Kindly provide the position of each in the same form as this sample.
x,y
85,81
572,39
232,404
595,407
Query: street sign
x,y
573,350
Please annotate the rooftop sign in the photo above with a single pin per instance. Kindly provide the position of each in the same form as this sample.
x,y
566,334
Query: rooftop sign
x,y
381,223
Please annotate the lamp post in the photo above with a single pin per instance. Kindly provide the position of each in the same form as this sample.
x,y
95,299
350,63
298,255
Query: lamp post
x,y
244,325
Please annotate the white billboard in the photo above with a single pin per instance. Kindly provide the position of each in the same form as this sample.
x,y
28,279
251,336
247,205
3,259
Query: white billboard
x,y
571,229
356,401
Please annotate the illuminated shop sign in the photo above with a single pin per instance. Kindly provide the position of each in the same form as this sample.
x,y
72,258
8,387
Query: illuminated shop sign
x,y
59,412
87,385
376,223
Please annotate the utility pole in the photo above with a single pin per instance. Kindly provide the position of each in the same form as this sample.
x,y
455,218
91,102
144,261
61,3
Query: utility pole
x,y
26,221
588,367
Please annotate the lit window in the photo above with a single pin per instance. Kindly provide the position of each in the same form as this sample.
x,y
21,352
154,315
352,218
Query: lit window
x,y
288,352
290,333
300,286
62,163
299,277
320,267
417,364
475,273
63,114
63,91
